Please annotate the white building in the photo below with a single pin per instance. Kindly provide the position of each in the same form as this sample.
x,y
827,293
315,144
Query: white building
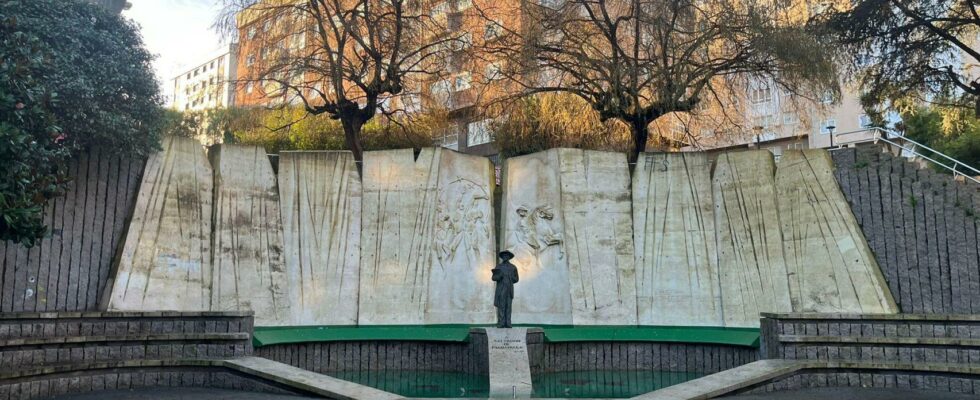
x,y
209,84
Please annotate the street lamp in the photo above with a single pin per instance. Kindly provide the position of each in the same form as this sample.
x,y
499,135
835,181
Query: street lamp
x,y
830,130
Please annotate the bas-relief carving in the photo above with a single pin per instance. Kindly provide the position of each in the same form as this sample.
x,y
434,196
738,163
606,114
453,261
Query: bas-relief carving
x,y
567,220
460,290
249,271
830,264
532,230
320,193
166,259
427,246
752,266
676,257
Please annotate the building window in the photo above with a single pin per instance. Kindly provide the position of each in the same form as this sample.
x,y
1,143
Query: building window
x,y
492,30
249,87
494,71
478,133
462,82
250,60
826,124
827,98
267,26
251,32
464,4
450,140
790,118
761,94
864,121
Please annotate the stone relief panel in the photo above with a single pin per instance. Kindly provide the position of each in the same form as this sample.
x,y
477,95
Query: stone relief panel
x,y
532,227
674,230
320,194
830,264
166,258
427,243
752,267
598,236
460,289
249,272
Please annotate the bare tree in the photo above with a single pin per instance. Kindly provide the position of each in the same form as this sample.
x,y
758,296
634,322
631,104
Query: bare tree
x,y
349,59
638,60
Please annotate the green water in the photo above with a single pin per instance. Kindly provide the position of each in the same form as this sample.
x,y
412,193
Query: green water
x,y
580,384
421,383
605,384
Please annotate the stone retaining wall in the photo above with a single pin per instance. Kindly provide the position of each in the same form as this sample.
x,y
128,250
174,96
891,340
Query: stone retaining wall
x,y
634,356
866,378
50,354
908,338
921,225
392,355
70,269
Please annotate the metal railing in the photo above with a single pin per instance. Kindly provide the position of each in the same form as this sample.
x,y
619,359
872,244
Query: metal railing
x,y
899,141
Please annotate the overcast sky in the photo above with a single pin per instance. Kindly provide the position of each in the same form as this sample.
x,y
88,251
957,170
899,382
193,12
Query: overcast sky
x,y
178,32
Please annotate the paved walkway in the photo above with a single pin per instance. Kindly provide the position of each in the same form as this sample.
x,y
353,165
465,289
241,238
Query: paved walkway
x,y
175,394
855,394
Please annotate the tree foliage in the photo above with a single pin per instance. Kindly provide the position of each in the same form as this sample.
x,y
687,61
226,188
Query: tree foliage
x,y
638,60
549,120
72,77
950,130
347,59
903,52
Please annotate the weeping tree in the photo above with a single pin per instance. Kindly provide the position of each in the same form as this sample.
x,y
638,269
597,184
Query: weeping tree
x,y
904,52
348,59
638,60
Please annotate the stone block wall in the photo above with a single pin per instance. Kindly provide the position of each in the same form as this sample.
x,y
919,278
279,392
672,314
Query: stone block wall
x,y
639,356
71,269
902,338
390,355
921,225
51,354
938,381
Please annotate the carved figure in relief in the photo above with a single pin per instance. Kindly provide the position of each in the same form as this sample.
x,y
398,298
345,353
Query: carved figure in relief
x,y
535,228
462,220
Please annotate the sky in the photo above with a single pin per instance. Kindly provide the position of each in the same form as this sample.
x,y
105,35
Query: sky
x,y
178,32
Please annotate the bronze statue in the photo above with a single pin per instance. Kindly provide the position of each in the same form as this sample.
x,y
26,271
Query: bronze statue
x,y
505,274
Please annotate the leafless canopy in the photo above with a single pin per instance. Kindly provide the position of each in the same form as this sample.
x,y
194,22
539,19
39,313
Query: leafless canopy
x,y
350,59
637,60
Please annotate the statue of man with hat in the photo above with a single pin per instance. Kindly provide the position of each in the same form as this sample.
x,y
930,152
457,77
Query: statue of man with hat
x,y
505,274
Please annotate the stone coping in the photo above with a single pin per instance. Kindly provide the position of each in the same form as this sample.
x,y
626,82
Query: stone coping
x,y
306,381
125,314
744,337
32,341
89,366
760,372
875,317
910,341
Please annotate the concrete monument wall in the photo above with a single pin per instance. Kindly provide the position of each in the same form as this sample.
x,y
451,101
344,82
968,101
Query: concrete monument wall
x,y
830,265
674,233
426,238
249,272
566,217
320,194
751,264
166,258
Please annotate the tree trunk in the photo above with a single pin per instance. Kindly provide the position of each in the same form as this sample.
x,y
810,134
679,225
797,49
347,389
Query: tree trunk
x,y
352,138
641,132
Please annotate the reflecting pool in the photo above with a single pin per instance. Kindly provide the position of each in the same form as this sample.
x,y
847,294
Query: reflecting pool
x,y
421,383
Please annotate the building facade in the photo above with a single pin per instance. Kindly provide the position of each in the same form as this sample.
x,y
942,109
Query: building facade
x,y
208,85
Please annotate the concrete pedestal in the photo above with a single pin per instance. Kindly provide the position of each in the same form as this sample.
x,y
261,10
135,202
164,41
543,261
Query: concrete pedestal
x,y
510,370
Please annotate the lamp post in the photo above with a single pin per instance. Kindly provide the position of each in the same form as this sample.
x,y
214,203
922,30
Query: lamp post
x,y
830,130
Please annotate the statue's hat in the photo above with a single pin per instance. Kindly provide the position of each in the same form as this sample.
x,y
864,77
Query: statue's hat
x,y
506,255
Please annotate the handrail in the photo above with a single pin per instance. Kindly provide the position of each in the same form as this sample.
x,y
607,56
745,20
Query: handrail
x,y
886,135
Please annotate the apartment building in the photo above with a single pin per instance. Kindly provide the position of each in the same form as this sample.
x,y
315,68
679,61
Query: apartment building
x,y
208,85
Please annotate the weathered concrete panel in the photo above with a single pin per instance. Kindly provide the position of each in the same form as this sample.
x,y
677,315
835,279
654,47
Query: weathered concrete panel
x,y
460,289
320,194
410,240
752,267
567,220
595,203
249,271
830,265
674,228
533,227
166,259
